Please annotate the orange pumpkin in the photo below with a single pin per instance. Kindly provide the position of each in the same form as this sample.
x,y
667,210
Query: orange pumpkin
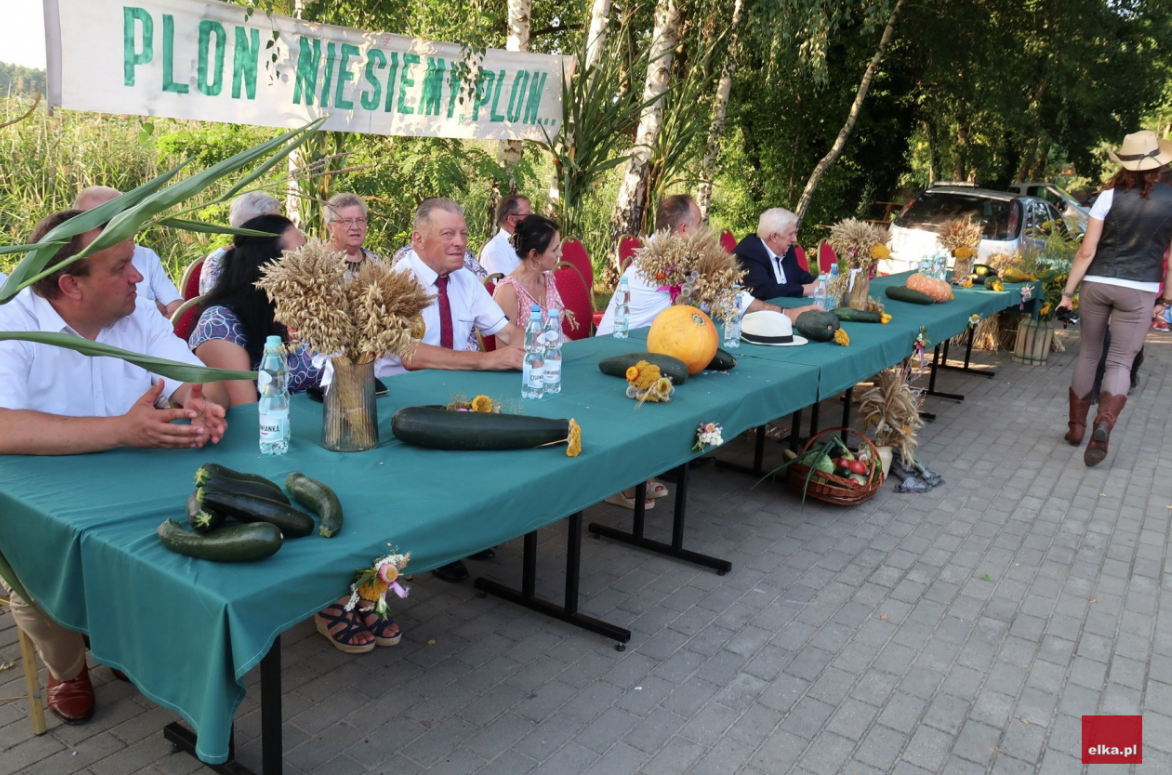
x,y
685,332
930,286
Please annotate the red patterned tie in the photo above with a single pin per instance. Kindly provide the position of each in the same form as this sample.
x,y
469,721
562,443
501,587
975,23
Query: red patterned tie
x,y
445,312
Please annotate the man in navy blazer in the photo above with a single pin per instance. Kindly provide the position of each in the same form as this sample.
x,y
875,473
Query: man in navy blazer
x,y
769,258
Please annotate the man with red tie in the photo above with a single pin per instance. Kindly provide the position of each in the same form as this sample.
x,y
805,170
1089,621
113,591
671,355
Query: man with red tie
x,y
438,242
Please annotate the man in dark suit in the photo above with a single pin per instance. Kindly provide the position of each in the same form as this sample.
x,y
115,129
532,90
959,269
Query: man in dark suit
x,y
769,258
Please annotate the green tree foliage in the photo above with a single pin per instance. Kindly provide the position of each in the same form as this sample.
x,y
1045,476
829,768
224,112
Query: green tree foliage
x,y
20,81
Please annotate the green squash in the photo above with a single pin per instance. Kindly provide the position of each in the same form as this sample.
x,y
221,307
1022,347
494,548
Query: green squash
x,y
816,325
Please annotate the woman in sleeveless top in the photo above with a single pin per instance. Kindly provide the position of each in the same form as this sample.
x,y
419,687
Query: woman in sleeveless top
x,y
539,246
1120,266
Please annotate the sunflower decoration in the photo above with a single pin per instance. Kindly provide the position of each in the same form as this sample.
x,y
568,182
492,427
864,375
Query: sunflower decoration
x,y
645,382
841,338
961,238
694,268
480,403
371,584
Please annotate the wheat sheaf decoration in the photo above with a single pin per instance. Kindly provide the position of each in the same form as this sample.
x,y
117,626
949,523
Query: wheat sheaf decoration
x,y
694,262
860,244
351,319
960,233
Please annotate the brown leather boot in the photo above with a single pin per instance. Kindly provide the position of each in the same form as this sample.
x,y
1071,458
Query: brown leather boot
x,y
1079,407
1109,408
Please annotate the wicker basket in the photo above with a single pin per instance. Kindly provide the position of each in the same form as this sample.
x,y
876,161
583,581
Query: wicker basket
x,y
831,488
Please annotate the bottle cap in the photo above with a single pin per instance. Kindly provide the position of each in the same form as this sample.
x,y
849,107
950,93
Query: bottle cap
x,y
273,341
536,308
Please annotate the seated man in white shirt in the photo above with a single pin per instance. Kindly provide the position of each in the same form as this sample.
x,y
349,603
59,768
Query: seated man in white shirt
x,y
461,303
54,401
437,260
155,285
498,255
678,214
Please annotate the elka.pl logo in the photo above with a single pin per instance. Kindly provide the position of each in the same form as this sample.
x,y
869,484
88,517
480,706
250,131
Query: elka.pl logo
x,y
1112,739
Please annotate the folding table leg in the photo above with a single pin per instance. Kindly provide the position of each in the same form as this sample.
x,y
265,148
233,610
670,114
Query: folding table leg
x,y
932,391
758,468
968,354
568,612
676,548
183,739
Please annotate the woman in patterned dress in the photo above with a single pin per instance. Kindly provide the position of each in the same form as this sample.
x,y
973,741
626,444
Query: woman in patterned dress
x,y
237,317
539,245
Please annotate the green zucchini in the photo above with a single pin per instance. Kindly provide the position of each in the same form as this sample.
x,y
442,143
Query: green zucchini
x,y
903,293
208,470
722,361
852,315
319,499
248,508
245,487
669,366
236,543
817,325
202,520
436,428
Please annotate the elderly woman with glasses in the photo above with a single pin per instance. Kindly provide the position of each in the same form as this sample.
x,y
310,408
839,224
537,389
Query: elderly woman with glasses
x,y
346,223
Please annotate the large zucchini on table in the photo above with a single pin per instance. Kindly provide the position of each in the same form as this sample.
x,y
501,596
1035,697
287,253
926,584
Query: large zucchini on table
x,y
902,293
722,361
852,315
816,325
669,365
437,428
236,543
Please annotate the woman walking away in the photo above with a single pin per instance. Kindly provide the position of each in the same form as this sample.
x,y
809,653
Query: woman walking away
x,y
1121,265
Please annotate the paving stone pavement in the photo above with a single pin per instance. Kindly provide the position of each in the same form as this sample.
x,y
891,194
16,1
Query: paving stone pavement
x,y
965,630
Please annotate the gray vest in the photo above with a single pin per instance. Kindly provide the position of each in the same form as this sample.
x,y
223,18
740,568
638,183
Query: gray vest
x,y
1136,233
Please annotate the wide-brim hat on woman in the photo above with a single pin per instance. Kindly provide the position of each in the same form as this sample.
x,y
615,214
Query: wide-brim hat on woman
x,y
769,328
1143,151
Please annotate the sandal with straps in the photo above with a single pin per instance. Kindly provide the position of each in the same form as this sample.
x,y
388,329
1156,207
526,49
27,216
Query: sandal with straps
x,y
385,631
342,640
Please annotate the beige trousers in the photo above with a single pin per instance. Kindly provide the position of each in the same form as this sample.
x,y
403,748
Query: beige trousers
x,y
62,650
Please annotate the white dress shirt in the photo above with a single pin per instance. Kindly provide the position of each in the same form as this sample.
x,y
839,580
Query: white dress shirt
x,y
472,308
646,303
63,382
155,284
498,255
775,262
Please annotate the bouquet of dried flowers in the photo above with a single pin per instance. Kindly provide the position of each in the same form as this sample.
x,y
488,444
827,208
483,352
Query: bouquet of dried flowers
x,y
694,268
349,317
961,237
860,246
892,407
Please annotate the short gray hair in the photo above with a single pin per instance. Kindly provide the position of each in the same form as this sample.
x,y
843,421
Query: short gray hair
x,y
427,206
338,201
92,196
252,205
775,221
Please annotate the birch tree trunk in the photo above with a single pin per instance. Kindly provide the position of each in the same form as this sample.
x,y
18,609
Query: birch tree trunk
x,y
596,36
294,162
845,133
632,199
518,40
723,90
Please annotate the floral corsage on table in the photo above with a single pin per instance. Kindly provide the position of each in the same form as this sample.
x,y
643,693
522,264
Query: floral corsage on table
x,y
646,383
708,437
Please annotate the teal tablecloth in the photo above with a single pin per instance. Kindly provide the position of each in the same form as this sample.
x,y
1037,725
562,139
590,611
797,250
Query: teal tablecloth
x,y
80,530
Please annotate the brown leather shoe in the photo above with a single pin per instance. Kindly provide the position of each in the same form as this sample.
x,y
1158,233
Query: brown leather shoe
x,y
1079,407
1109,408
71,701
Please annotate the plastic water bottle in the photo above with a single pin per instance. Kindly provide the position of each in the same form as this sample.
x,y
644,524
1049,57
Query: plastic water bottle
x,y
273,384
552,336
622,309
820,292
533,372
831,299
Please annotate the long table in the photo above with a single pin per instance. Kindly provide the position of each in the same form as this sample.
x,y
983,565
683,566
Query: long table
x,y
80,531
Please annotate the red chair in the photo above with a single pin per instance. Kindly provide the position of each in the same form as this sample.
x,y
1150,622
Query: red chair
x,y
184,319
728,241
801,254
627,247
189,285
488,343
574,254
826,257
575,295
